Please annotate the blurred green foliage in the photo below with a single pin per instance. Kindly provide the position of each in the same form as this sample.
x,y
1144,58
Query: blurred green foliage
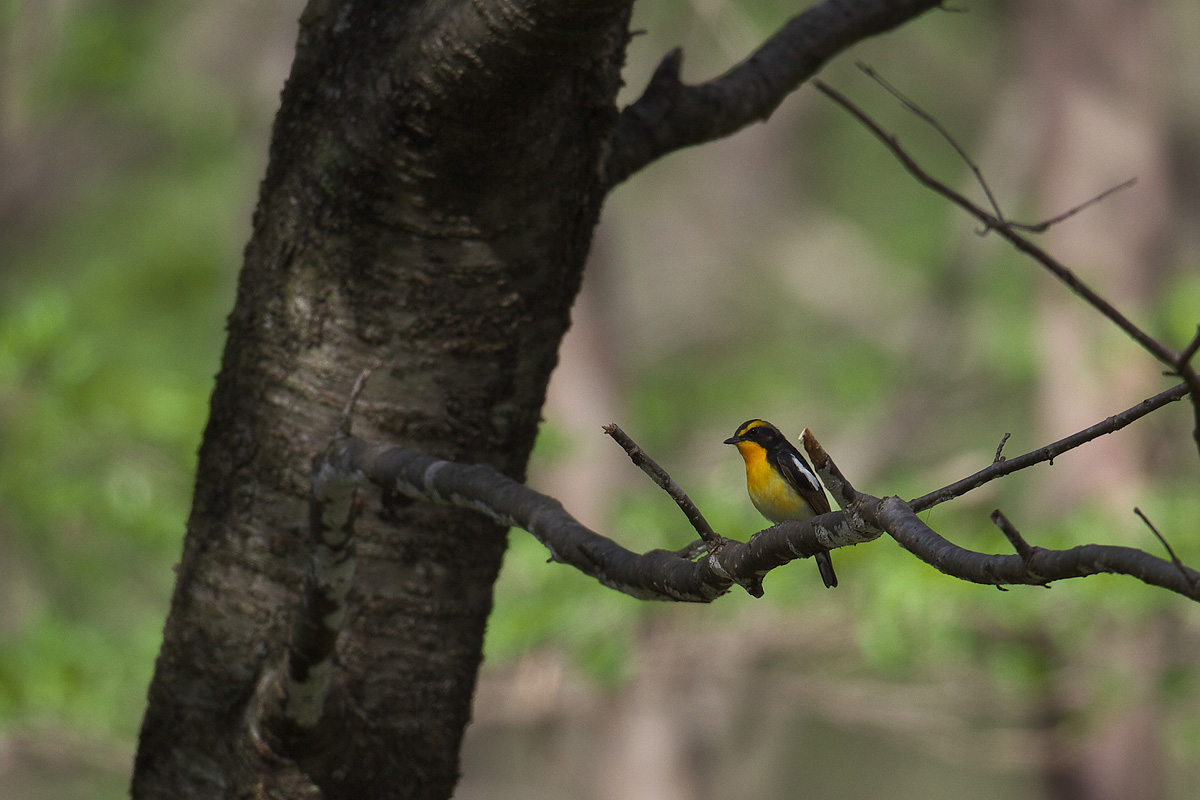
x,y
921,391
117,275
118,270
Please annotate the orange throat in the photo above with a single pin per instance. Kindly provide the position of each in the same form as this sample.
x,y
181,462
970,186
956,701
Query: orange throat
x,y
773,496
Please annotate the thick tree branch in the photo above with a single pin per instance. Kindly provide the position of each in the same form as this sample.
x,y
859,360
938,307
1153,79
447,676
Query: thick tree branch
x,y
656,575
1036,566
671,115
661,575
292,704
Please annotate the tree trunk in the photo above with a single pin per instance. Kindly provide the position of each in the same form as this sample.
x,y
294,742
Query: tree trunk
x,y
436,170
432,189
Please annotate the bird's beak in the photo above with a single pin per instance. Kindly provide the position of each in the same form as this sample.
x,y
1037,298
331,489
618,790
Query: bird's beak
x,y
732,440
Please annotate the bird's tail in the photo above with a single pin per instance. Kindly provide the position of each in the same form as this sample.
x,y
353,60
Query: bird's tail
x,y
825,564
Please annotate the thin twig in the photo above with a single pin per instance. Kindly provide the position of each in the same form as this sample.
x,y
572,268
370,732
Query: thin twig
x,y
1184,369
1192,380
844,493
1042,227
1028,227
1156,348
664,480
1000,449
1023,548
1174,558
937,126
1010,232
1050,451
1190,351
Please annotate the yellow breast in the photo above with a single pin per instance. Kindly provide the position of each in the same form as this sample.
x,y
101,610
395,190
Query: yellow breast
x,y
773,496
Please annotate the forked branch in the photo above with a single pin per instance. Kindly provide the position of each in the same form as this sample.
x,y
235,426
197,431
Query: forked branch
x,y
1179,363
671,115
663,575
1047,453
701,574
292,698
1035,565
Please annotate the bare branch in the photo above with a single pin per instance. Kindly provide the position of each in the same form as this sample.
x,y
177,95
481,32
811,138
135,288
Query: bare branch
x,y
1189,352
1023,548
1045,225
1174,558
683,575
932,121
1000,449
671,115
655,575
1051,451
1009,231
660,476
663,575
1038,567
941,129
1005,230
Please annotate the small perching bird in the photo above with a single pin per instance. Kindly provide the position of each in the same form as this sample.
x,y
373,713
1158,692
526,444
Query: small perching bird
x,y
781,483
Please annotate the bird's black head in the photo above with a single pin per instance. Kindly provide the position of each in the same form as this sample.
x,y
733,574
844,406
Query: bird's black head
x,y
757,431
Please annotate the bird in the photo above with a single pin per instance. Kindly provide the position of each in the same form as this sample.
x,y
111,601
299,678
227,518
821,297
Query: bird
x,y
780,482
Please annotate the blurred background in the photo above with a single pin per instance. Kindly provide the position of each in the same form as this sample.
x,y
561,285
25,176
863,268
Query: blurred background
x,y
794,272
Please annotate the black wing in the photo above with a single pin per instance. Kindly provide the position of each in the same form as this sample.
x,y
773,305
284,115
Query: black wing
x,y
802,478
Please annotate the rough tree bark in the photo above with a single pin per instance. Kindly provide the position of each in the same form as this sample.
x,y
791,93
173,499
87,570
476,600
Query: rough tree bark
x,y
436,170
406,220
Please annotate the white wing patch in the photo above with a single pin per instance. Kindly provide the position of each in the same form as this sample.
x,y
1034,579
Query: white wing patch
x,y
803,469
